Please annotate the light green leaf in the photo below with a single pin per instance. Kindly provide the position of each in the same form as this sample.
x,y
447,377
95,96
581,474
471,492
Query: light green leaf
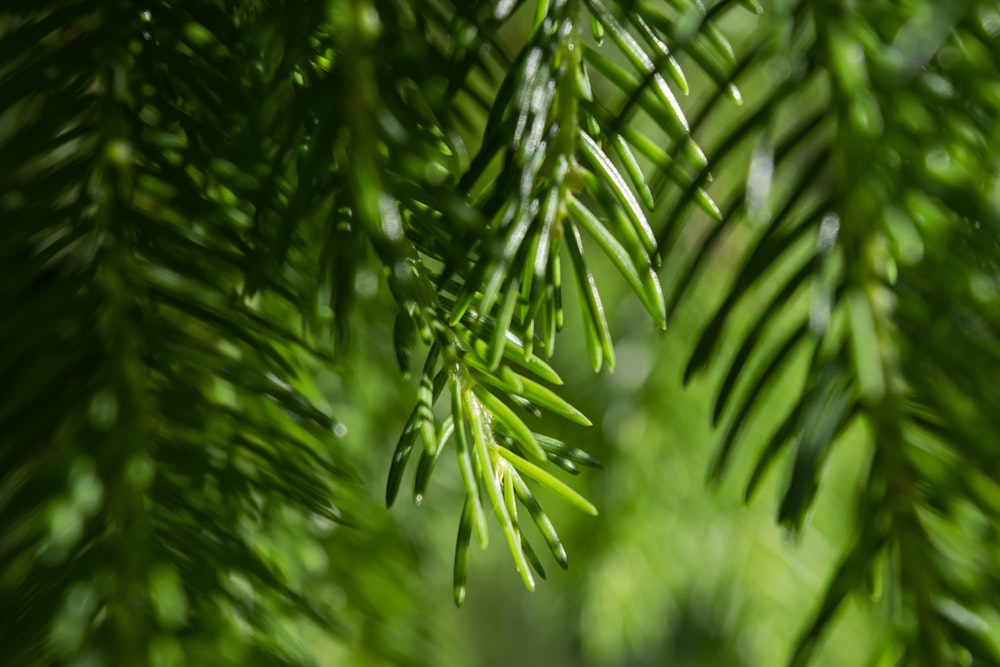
x,y
465,463
645,285
548,480
546,398
542,521
510,421
602,163
600,348
484,445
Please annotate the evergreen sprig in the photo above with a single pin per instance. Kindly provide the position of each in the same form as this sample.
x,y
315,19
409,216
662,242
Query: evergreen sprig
x,y
878,183
181,180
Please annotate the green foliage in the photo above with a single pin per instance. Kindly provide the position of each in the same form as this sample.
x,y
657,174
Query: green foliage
x,y
194,194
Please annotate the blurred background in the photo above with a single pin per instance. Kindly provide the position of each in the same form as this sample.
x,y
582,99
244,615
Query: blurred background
x,y
672,571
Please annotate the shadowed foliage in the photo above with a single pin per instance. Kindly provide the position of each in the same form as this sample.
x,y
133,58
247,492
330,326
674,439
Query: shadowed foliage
x,y
194,193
